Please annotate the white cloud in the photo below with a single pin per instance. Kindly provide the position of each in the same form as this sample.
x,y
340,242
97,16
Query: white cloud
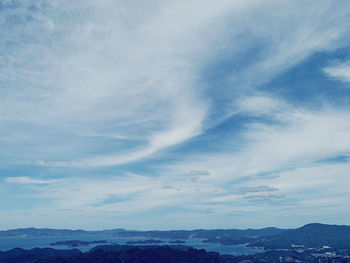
x,y
113,72
29,180
339,71
111,82
285,156
260,105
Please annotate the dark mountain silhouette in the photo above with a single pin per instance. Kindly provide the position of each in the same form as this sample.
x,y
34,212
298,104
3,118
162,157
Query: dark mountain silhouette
x,y
148,254
310,236
175,254
18,255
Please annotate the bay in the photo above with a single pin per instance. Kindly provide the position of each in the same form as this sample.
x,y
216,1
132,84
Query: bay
x,y
7,243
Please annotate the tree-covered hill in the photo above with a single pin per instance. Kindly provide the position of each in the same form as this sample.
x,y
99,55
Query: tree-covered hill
x,y
310,236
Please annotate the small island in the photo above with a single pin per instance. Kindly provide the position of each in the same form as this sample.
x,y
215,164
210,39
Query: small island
x,y
145,242
78,243
177,242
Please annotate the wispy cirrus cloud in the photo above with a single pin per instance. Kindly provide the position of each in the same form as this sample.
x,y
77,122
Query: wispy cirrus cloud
x,y
93,91
25,180
255,189
133,79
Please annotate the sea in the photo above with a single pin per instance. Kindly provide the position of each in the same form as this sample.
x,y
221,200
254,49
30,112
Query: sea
x,y
7,243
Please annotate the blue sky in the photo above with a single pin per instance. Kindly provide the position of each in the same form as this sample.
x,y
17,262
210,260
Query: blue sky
x,y
174,114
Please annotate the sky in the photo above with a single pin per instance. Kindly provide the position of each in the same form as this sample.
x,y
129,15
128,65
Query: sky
x,y
174,114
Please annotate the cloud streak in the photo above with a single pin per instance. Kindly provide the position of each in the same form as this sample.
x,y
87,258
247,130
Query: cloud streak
x,y
160,110
24,180
339,71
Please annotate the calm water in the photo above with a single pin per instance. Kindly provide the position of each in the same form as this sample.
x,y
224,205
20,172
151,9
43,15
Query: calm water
x,y
7,243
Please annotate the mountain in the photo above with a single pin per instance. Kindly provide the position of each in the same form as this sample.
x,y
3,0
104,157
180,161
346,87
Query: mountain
x,y
309,236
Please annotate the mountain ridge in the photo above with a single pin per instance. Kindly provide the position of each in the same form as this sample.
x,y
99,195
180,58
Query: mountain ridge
x,y
313,235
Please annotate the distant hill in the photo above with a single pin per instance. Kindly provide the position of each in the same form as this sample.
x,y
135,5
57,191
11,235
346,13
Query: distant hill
x,y
30,232
204,234
184,254
310,236
171,234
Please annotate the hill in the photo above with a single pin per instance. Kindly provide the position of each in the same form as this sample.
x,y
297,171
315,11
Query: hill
x,y
234,234
309,236
159,254
19,255
30,232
